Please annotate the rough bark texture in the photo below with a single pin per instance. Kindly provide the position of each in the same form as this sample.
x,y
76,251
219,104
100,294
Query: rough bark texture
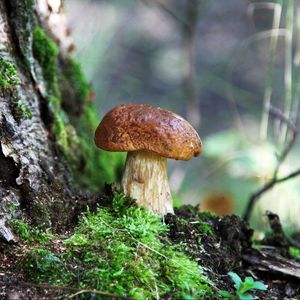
x,y
42,98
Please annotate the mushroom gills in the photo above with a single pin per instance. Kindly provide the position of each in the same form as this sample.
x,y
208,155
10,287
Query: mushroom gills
x,y
145,179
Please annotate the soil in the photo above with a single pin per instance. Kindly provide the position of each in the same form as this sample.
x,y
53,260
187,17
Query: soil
x,y
223,249
218,244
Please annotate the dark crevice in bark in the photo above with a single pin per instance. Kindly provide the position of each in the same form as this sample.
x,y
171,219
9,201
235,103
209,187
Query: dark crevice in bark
x,y
13,36
9,172
46,116
6,129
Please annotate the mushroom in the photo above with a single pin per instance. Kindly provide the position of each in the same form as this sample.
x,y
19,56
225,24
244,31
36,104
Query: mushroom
x,y
150,135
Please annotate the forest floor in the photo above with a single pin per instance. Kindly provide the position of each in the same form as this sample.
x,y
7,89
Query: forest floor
x,y
230,248
44,265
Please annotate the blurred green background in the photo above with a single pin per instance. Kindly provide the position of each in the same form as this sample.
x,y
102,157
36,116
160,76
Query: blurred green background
x,y
218,64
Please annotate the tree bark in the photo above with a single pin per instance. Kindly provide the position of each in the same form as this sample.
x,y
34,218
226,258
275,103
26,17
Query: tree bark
x,y
46,119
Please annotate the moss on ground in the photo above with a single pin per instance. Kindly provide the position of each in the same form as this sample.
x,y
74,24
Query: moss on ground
x,y
120,249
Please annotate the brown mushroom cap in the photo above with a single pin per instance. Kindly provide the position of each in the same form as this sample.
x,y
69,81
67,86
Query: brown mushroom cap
x,y
135,127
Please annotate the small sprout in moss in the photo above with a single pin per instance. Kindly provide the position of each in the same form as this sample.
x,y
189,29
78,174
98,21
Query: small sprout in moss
x,y
8,74
243,287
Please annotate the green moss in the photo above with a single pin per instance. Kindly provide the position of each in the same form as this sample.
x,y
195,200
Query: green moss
x,y
202,220
46,51
19,108
100,166
92,166
177,202
8,74
205,228
77,80
73,83
44,263
38,234
12,208
66,100
205,225
75,136
24,110
54,103
207,214
9,79
22,229
120,249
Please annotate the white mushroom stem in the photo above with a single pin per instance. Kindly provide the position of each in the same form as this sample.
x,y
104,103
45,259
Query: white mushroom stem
x,y
145,179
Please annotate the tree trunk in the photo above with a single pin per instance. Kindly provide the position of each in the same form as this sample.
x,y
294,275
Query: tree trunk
x,y
46,120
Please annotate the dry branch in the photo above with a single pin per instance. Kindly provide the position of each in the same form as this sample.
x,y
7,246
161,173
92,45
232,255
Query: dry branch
x,y
273,263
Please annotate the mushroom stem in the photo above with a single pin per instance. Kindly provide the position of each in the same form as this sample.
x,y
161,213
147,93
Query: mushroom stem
x,y
145,179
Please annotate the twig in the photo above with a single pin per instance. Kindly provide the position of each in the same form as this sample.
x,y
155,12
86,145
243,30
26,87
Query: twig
x,y
254,197
277,113
280,159
279,236
289,176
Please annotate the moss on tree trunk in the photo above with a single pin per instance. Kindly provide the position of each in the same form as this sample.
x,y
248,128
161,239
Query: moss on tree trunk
x,y
47,153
